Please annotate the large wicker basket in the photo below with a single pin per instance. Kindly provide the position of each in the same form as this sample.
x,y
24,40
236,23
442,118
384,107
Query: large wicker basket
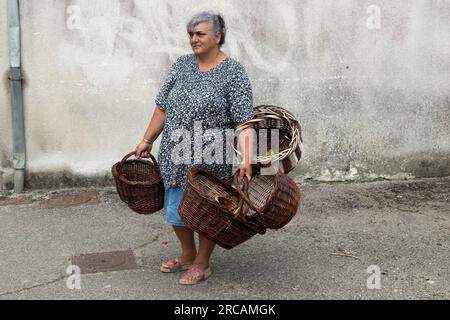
x,y
212,207
270,117
274,200
139,184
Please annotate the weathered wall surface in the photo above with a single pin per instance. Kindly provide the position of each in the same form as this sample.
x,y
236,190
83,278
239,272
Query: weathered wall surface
x,y
368,80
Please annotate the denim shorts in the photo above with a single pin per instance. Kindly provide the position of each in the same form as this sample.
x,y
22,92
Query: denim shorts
x,y
172,199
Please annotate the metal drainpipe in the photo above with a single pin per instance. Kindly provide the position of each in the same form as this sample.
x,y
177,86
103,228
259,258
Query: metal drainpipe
x,y
15,77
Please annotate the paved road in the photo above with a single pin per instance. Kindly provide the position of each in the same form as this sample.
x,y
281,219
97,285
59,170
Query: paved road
x,y
398,230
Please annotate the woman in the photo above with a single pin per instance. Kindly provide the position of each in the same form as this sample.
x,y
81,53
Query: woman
x,y
213,90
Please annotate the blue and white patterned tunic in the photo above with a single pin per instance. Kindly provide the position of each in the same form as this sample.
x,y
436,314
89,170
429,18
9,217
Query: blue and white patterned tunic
x,y
195,101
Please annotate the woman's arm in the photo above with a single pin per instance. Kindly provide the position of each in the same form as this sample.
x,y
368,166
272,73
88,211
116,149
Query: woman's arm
x,y
246,142
240,98
156,125
154,129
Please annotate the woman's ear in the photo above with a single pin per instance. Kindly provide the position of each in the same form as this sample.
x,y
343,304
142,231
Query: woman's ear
x,y
218,37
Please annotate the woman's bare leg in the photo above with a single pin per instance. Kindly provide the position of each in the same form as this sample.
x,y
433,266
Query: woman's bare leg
x,y
188,249
205,250
199,270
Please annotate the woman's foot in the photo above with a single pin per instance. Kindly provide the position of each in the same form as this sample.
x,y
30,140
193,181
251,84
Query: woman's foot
x,y
195,274
176,265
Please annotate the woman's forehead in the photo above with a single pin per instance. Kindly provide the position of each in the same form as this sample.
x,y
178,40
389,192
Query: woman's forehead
x,y
202,26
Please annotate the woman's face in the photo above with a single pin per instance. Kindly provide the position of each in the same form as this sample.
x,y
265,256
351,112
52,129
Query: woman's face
x,y
202,38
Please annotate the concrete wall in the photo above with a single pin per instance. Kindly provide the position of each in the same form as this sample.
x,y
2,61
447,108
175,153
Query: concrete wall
x,y
368,80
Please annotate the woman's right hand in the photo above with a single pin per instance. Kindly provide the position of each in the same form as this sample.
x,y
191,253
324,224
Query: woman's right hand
x,y
143,150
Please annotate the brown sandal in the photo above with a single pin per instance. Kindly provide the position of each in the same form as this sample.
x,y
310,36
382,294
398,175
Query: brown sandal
x,y
174,265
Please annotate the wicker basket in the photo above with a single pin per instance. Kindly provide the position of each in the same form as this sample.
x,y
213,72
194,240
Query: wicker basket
x,y
139,184
273,199
211,207
272,117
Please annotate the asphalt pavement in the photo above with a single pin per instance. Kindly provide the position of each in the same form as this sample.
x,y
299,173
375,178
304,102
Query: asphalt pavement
x,y
371,240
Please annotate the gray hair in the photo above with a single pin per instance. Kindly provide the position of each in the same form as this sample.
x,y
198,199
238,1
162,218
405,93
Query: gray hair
x,y
215,20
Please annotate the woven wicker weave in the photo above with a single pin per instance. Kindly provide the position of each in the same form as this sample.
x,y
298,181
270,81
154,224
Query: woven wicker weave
x,y
277,198
212,207
273,117
139,184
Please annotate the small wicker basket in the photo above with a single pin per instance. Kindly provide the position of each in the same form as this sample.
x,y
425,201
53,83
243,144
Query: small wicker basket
x,y
273,117
212,207
139,184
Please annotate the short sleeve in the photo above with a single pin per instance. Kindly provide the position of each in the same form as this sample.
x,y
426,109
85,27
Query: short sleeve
x,y
240,97
161,98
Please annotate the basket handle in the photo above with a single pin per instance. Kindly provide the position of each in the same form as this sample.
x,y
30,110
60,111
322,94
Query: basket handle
x,y
245,198
155,164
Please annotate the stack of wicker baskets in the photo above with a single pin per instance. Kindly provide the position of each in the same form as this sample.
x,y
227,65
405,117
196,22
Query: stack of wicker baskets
x,y
230,214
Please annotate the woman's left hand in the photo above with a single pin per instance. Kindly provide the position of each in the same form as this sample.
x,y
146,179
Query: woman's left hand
x,y
245,169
